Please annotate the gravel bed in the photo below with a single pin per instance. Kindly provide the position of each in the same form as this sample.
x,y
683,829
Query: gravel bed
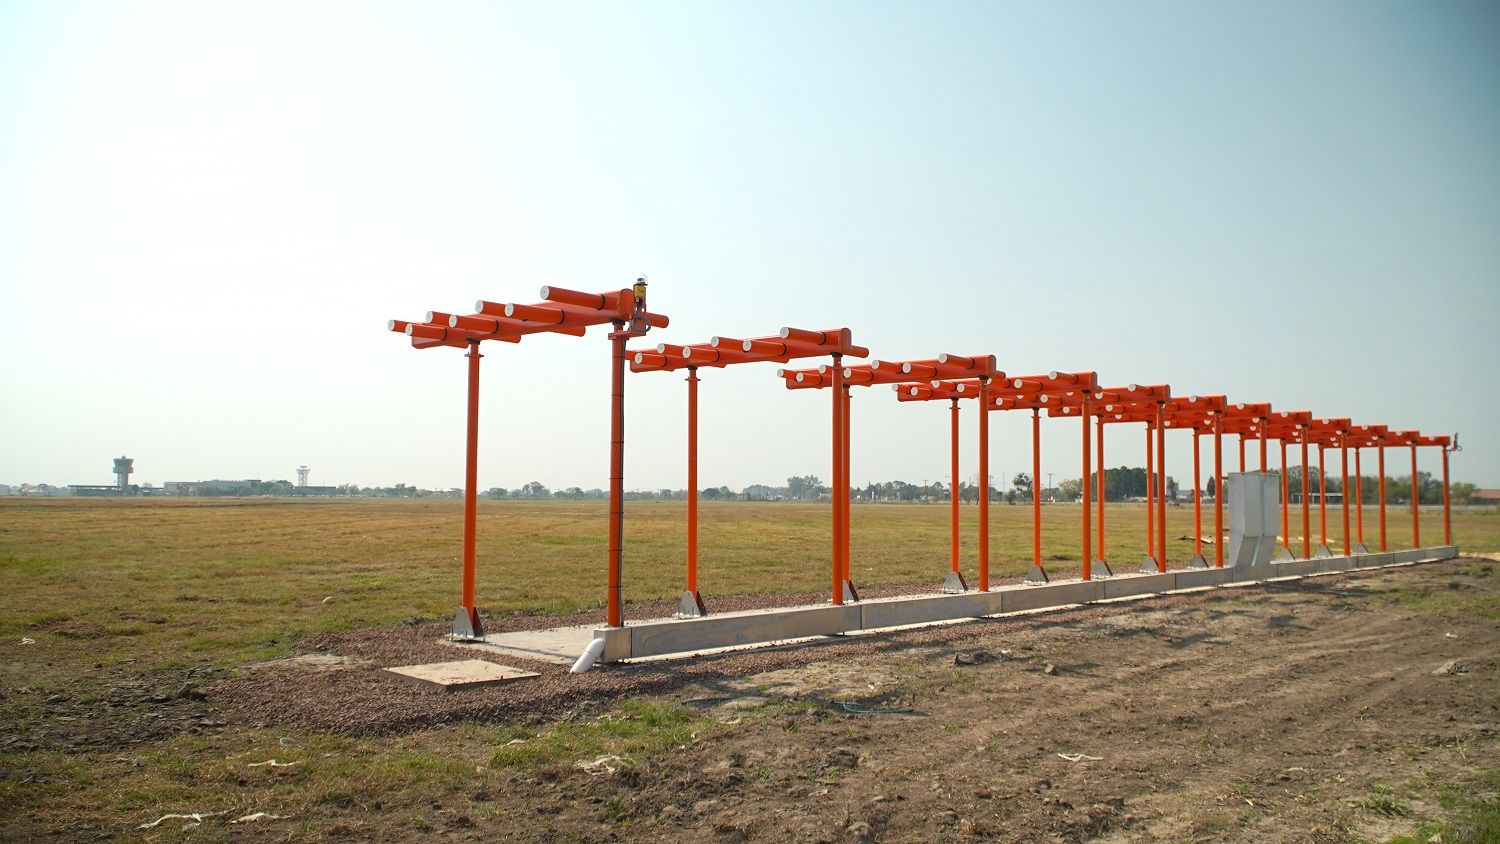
x,y
360,699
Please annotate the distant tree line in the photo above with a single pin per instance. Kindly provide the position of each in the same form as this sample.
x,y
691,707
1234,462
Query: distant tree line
x,y
1120,484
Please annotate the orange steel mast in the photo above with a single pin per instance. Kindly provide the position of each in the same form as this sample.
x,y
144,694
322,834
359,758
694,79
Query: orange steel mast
x,y
980,386
1082,400
1196,424
1380,457
563,312
1141,412
928,392
1411,438
1201,414
719,352
1107,415
1157,394
1448,444
955,581
901,374
1291,425
1035,392
922,373
1326,434
1103,560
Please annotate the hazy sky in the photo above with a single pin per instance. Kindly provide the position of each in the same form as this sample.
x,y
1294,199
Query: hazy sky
x,y
208,211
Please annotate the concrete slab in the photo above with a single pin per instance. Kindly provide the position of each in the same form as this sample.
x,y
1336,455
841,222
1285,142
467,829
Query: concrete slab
x,y
1138,584
560,645
1333,564
461,674
719,631
616,642
1249,574
1298,567
1199,578
651,639
919,610
1018,598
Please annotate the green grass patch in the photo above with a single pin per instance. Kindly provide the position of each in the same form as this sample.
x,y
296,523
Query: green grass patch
x,y
1443,602
637,731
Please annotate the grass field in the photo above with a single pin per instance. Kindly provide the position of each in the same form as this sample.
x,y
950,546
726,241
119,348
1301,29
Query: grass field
x,y
141,591
181,580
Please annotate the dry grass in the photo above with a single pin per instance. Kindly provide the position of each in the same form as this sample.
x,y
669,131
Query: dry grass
x,y
232,581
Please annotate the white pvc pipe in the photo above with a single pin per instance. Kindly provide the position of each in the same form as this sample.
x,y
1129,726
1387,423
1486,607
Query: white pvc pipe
x,y
588,657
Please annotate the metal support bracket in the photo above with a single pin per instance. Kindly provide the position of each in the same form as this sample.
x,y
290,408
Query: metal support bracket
x,y
1198,562
466,624
1282,555
691,606
1148,564
1322,552
1037,575
954,585
1359,548
1101,569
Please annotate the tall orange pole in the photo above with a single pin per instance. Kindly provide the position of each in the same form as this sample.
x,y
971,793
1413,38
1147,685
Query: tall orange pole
x,y
1218,490
1263,436
1103,557
1323,499
692,490
1306,512
953,493
1286,529
848,538
1088,550
1161,488
1241,438
1359,504
1197,501
469,625
838,472
1036,490
1150,497
1380,452
984,484
1416,499
1344,450
617,338
1447,510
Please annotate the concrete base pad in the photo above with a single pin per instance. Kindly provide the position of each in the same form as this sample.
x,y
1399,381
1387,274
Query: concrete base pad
x,y
460,675
558,645
673,638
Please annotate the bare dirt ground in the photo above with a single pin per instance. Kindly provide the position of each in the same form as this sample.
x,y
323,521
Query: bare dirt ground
x,y
1334,709
1270,713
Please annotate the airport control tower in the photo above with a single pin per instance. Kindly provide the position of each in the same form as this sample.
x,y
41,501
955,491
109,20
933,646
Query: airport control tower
x,y
123,467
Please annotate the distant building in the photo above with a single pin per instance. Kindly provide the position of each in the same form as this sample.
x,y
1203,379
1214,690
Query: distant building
x,y
210,488
101,490
1487,496
1294,496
